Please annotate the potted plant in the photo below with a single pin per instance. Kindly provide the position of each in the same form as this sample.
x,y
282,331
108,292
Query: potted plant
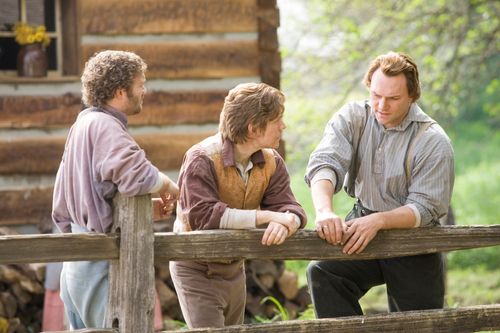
x,y
32,58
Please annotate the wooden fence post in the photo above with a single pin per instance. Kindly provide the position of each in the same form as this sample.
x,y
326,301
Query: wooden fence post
x,y
131,277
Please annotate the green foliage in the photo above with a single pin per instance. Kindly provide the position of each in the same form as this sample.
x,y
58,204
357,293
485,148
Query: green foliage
x,y
326,48
281,312
455,43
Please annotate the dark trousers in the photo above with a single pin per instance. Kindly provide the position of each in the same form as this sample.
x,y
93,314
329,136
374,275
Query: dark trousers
x,y
413,282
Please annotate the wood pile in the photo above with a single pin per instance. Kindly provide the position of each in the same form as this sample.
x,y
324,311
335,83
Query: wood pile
x,y
21,295
264,278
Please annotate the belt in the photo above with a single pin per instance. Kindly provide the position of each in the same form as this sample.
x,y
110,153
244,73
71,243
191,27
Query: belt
x,y
361,210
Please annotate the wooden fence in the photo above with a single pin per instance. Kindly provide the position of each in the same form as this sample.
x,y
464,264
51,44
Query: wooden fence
x,y
132,248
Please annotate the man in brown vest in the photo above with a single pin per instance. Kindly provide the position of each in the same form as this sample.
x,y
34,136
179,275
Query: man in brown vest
x,y
233,180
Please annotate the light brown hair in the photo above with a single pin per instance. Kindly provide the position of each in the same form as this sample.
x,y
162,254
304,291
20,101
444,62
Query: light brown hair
x,y
108,71
393,64
249,103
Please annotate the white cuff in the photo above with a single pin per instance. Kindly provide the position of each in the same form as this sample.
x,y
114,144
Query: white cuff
x,y
162,179
238,219
418,218
327,174
297,220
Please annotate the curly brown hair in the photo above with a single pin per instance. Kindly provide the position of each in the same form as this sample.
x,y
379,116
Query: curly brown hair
x,y
106,72
393,64
249,103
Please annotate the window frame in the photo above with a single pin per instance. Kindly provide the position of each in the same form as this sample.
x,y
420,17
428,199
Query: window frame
x,y
67,34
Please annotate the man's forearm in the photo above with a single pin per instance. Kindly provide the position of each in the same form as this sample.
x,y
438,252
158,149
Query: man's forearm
x,y
322,195
399,218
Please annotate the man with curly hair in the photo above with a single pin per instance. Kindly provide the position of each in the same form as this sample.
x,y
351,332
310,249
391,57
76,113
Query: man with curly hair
x,y
100,159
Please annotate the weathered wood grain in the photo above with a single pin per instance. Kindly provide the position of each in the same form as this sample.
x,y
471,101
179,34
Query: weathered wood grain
x,y
57,247
235,244
229,245
461,320
71,22
190,59
269,56
160,108
164,17
43,155
131,278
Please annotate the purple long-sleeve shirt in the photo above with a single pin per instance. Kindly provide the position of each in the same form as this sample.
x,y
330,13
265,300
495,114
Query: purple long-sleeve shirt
x,y
100,158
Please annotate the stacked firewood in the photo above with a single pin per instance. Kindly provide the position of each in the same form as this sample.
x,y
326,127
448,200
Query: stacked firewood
x,y
21,298
22,292
21,295
271,278
264,278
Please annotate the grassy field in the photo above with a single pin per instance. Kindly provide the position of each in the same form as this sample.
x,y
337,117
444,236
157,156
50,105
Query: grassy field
x,y
474,275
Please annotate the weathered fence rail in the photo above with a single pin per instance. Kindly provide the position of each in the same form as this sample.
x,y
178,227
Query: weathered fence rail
x,y
132,248
461,320
233,244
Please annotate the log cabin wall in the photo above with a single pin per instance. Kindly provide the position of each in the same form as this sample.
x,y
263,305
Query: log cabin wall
x,y
196,50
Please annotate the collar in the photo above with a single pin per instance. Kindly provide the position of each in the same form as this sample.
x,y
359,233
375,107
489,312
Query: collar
x,y
415,114
228,154
112,112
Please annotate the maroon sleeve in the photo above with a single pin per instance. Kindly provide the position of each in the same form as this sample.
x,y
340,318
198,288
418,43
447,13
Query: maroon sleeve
x,y
279,196
199,197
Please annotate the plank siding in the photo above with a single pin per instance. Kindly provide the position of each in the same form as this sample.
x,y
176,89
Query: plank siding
x,y
26,206
269,56
173,16
160,108
43,155
190,59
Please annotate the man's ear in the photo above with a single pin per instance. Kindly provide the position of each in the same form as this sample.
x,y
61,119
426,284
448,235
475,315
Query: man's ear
x,y
252,131
120,93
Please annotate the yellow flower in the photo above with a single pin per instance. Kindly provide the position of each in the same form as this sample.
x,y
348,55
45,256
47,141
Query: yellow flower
x,y
26,34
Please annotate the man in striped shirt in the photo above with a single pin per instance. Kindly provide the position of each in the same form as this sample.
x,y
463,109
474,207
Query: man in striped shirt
x,y
399,164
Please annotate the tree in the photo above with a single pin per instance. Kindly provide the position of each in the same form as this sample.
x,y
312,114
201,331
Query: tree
x,y
455,43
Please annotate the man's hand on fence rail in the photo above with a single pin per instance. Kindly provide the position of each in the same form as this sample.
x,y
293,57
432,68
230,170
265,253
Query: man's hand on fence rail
x,y
232,244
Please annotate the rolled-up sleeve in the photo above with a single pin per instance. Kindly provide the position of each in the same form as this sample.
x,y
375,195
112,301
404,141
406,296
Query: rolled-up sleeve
x,y
335,150
432,179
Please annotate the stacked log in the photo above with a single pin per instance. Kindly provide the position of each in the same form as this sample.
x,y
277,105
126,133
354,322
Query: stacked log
x,y
21,295
270,278
264,278
21,298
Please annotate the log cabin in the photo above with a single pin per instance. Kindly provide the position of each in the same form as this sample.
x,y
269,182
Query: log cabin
x,y
196,50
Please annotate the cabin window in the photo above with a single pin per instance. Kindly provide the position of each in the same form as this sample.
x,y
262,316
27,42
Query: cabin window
x,y
59,18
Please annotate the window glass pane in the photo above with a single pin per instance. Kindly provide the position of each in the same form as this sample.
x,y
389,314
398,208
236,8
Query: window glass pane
x,y
8,53
9,14
50,15
51,53
35,13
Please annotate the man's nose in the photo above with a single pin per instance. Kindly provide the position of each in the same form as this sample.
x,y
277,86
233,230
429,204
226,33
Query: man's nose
x,y
381,104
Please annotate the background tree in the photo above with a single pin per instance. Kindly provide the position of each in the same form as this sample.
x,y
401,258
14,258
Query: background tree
x,y
455,43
